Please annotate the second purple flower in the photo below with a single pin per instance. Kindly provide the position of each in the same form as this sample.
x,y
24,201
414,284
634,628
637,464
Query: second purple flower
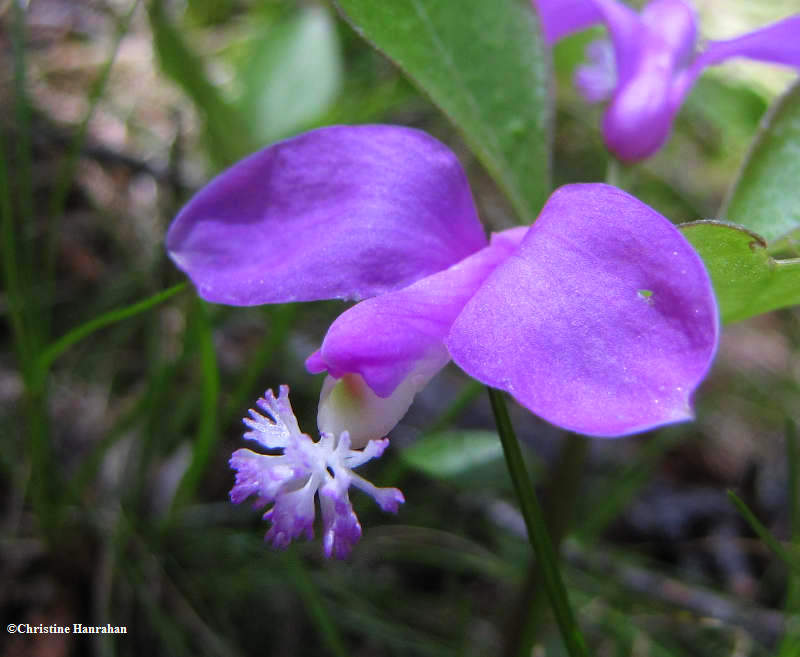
x,y
649,66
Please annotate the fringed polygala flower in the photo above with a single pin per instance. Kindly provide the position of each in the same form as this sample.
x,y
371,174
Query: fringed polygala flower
x,y
599,318
290,480
650,64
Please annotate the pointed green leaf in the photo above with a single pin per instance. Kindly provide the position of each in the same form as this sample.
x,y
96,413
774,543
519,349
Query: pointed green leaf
x,y
293,74
484,65
766,195
747,280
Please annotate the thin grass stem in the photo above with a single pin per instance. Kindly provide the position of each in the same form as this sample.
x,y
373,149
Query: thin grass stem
x,y
790,644
67,172
208,427
315,608
763,533
57,348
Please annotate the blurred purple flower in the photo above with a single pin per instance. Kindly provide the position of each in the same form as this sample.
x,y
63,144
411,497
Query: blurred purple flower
x,y
650,65
599,318
290,480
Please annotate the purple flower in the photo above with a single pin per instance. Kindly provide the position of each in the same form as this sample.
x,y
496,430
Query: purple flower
x,y
290,481
599,318
650,65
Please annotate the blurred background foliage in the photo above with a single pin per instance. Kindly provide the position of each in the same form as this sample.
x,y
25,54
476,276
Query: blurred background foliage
x,y
115,440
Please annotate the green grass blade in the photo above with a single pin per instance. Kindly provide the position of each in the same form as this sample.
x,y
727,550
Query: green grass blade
x,y
52,352
208,427
66,175
613,500
794,467
22,110
18,254
763,533
790,645
314,605
464,400
13,284
281,318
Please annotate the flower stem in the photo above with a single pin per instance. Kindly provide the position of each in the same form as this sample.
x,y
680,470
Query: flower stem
x,y
614,172
561,489
537,530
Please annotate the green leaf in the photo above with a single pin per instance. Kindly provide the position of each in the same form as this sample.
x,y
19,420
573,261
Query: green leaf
x,y
766,195
747,280
226,132
484,65
453,453
293,74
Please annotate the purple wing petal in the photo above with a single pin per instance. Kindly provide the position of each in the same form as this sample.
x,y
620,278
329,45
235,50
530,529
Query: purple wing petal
x,y
778,43
339,212
603,321
560,18
384,338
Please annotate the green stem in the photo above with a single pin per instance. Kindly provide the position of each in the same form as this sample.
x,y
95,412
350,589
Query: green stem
x,y
614,172
563,484
538,535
